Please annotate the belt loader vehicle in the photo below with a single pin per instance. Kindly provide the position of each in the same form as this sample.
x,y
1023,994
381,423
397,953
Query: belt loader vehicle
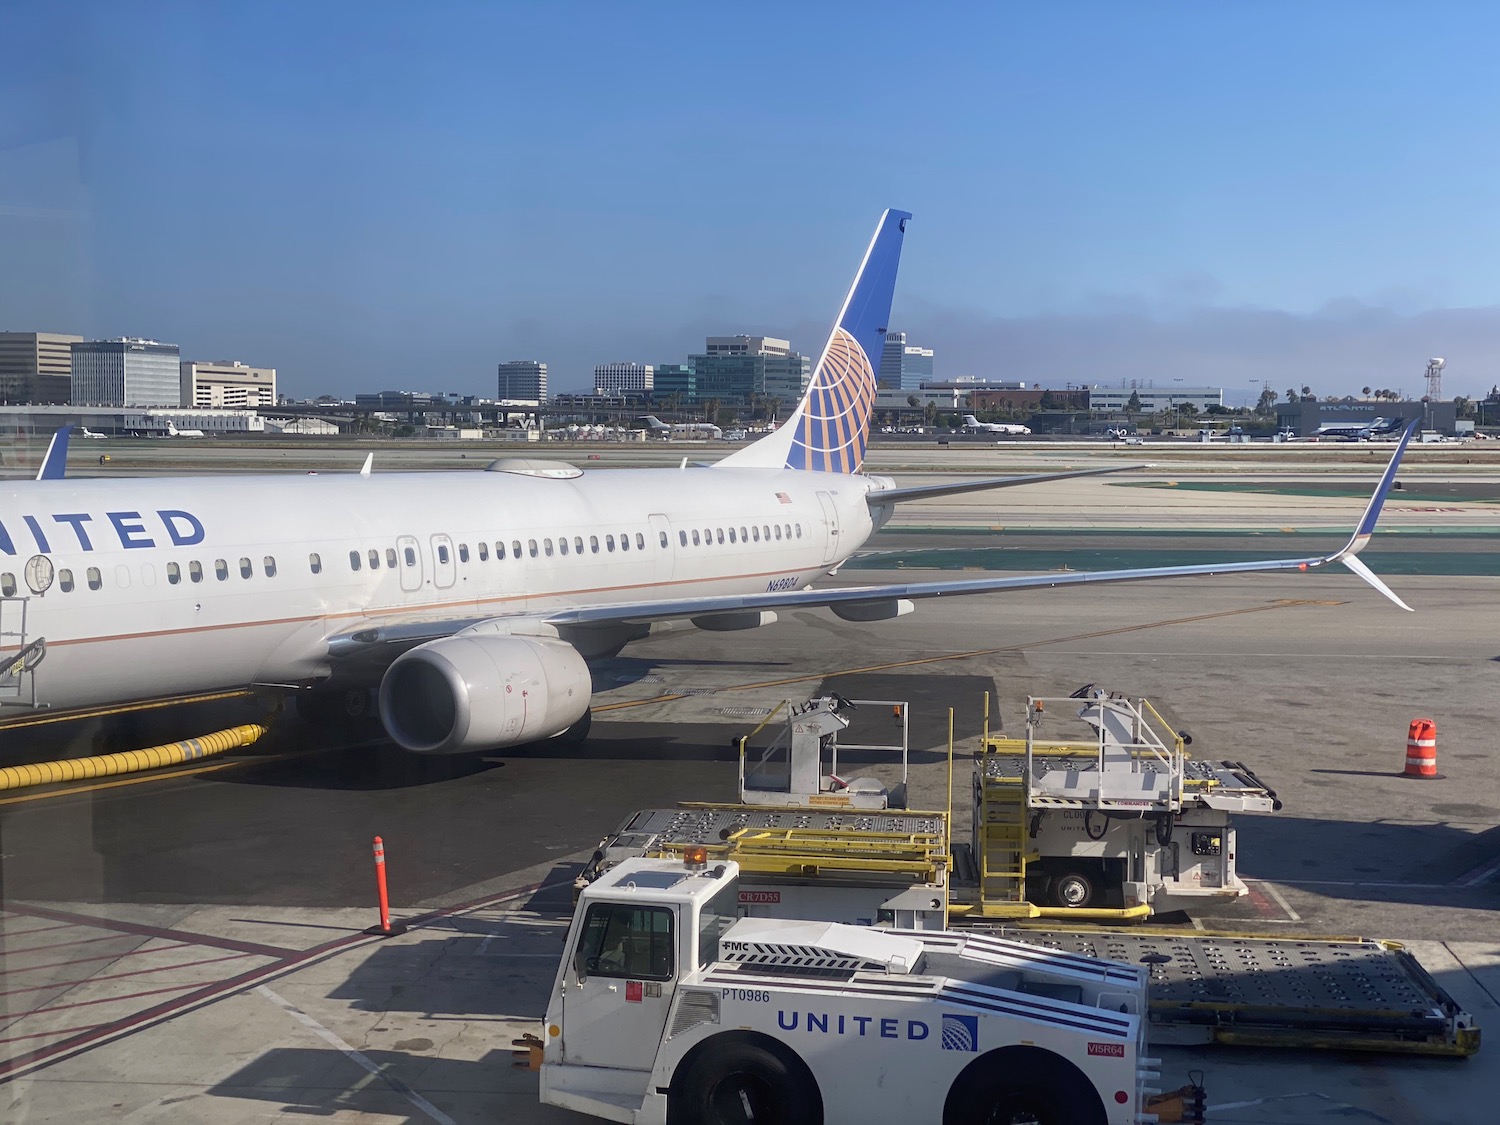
x,y
669,1009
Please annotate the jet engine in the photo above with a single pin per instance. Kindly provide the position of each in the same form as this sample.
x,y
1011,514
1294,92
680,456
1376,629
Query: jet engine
x,y
478,692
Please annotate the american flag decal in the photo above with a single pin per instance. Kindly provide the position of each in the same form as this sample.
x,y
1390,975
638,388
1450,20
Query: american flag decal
x,y
783,497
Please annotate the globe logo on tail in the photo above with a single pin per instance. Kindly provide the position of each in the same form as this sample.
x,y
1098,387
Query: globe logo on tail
x,y
834,422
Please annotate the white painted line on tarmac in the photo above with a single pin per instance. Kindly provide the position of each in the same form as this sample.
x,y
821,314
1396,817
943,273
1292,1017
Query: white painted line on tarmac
x,y
361,1060
1291,914
1479,875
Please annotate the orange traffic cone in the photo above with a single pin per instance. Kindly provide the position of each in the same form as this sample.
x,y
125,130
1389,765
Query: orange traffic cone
x,y
1421,750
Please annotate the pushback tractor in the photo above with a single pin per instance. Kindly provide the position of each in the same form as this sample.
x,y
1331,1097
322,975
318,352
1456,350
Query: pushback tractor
x,y
671,1009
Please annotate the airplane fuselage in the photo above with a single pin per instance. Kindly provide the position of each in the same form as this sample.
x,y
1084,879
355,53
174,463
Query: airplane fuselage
x,y
175,585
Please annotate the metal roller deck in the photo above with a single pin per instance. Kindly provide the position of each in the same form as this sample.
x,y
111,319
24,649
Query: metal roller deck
x,y
1347,994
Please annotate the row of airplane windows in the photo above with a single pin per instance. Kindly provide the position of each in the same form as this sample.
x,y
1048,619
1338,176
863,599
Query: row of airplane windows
x,y
707,537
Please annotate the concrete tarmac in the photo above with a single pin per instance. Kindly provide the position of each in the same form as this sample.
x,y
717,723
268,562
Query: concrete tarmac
x,y
189,949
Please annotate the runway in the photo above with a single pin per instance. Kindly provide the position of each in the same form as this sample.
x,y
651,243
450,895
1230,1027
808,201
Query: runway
x,y
212,918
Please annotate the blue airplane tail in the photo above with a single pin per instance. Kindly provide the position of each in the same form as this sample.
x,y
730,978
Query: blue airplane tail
x,y
830,427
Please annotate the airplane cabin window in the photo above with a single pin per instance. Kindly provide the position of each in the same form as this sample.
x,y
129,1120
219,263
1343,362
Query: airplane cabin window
x,y
594,544
663,535
484,551
442,553
731,535
515,548
788,531
95,579
353,560
500,549
410,554
696,541
221,570
768,532
778,531
719,534
799,530
578,544
122,576
744,535
625,541
463,552
65,581
268,564
609,541
531,547
174,573
195,571
7,585
682,537
374,557
640,541
246,570
756,530
315,563
390,557
547,547
562,545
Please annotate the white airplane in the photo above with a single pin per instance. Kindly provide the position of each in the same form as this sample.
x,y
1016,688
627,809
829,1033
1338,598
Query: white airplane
x,y
474,598
173,431
700,430
88,433
973,423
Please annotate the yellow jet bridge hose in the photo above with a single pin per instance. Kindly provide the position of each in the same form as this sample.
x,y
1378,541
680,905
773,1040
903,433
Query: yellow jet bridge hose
x,y
130,761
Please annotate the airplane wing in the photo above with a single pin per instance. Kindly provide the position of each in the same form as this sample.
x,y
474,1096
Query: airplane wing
x,y
873,602
887,496
866,602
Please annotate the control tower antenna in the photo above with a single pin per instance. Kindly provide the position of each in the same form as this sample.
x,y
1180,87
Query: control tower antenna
x,y
1435,379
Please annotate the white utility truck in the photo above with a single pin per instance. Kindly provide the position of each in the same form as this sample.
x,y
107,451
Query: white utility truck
x,y
670,1009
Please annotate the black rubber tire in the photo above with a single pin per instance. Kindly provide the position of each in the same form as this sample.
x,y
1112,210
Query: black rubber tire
x,y
578,733
1046,1090
1074,890
746,1084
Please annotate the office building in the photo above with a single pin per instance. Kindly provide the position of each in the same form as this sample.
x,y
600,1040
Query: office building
x,y
623,378
227,384
903,365
126,372
735,370
36,367
1113,400
523,380
676,384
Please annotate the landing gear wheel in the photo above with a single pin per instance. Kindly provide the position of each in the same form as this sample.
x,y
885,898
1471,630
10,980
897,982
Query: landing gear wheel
x,y
1073,889
578,733
745,1084
1046,1091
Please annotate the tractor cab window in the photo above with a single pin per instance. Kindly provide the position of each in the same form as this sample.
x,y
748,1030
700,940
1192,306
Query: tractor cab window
x,y
719,913
626,941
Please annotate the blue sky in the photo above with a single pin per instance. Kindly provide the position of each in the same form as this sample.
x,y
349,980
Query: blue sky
x,y
370,196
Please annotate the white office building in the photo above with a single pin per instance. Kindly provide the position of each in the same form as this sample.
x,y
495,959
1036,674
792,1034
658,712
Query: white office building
x,y
126,372
227,385
1153,400
523,380
623,378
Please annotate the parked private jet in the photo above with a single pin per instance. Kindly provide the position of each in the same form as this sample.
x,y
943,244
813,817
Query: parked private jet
x,y
700,431
474,598
973,423
1359,431
173,431
88,433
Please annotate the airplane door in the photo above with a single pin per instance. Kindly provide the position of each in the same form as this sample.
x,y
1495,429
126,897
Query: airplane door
x,y
444,568
831,519
661,532
409,554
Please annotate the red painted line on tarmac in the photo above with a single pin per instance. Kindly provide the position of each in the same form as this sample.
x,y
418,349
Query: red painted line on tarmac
x,y
123,976
164,932
83,1038
61,945
1264,906
16,1017
57,1031
5,934
102,957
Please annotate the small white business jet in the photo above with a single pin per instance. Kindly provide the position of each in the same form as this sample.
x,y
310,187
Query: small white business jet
x,y
474,598
699,431
173,431
88,433
973,423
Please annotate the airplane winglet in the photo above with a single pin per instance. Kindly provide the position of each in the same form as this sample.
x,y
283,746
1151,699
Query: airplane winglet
x,y
1348,554
55,464
369,461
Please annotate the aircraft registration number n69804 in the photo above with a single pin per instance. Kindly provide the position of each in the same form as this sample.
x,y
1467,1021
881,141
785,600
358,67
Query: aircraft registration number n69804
x,y
778,584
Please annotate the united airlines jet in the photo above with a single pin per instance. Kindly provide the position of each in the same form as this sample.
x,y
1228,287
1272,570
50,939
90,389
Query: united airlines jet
x,y
474,599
